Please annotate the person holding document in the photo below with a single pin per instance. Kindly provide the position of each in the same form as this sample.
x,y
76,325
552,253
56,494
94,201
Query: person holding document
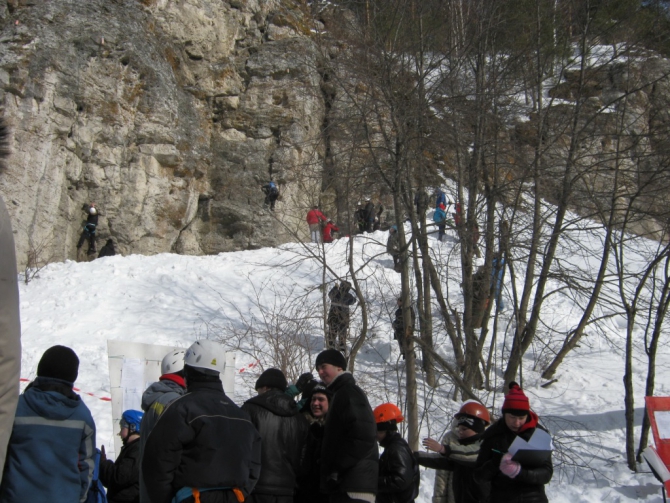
x,y
513,458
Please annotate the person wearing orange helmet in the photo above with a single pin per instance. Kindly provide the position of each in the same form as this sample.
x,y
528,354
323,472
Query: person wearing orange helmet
x,y
398,470
513,481
457,455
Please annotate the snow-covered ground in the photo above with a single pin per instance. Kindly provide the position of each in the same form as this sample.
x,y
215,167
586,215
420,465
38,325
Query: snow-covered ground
x,y
244,298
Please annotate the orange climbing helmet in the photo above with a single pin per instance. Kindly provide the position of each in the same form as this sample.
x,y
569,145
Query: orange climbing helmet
x,y
387,412
473,408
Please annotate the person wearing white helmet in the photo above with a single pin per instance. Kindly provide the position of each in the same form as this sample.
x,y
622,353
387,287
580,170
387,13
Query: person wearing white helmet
x,y
89,228
159,395
204,447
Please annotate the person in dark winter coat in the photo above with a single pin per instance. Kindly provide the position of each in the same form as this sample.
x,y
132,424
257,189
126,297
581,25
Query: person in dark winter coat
x,y
158,396
89,228
349,455
399,326
510,481
421,202
378,217
480,297
399,475
309,487
328,231
338,316
359,218
271,192
369,215
107,250
440,198
122,477
203,445
52,445
283,432
457,456
393,247
10,319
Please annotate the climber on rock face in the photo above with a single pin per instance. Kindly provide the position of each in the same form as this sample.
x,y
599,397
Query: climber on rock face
x,y
89,228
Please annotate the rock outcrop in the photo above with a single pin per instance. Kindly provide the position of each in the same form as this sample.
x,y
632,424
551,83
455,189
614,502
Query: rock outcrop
x,y
169,115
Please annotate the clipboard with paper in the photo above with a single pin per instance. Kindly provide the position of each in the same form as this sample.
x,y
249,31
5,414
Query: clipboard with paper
x,y
535,451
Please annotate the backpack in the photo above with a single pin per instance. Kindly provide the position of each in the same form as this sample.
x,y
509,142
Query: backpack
x,y
439,217
96,492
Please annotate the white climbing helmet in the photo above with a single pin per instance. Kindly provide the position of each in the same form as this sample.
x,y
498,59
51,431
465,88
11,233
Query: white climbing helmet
x,y
173,362
92,211
206,354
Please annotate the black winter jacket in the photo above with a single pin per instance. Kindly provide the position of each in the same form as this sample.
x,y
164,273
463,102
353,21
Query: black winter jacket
x,y
283,433
528,485
398,471
310,466
201,440
349,456
122,477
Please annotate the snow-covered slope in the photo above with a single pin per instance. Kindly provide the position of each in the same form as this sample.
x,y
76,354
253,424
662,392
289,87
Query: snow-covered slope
x,y
254,300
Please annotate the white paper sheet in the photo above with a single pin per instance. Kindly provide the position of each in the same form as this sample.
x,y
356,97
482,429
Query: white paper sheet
x,y
663,423
539,441
132,380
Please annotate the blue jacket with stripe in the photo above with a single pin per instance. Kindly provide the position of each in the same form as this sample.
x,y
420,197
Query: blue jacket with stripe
x,y
50,452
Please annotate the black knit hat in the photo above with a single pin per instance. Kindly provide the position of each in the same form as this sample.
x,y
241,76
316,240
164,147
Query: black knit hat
x,y
333,357
59,362
272,378
470,422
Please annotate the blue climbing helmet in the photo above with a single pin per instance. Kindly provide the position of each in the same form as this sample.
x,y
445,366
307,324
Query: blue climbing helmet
x,y
131,419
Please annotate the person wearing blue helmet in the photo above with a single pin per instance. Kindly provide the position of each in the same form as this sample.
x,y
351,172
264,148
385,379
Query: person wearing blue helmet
x,y
122,477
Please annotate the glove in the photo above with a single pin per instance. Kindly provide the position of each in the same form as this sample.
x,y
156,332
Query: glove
x,y
332,482
303,380
309,387
509,467
103,456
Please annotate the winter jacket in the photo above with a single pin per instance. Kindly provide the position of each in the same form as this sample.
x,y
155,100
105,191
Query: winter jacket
x,y
393,243
528,485
122,477
459,461
340,300
441,199
369,212
328,232
398,471
315,216
202,440
349,455
439,216
154,401
399,323
283,433
107,250
10,328
310,465
50,452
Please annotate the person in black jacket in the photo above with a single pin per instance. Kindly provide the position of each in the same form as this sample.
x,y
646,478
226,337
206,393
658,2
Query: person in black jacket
x,y
122,477
203,443
283,432
399,475
510,481
338,316
349,456
369,215
107,250
309,490
89,228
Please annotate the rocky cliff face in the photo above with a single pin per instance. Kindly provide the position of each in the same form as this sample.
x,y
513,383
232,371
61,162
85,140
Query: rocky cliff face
x,y
168,114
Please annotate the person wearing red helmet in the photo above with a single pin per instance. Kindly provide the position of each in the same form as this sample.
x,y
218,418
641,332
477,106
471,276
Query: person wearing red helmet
x,y
512,481
457,456
398,470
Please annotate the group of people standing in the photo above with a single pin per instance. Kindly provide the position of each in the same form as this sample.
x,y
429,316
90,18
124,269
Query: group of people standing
x,y
368,218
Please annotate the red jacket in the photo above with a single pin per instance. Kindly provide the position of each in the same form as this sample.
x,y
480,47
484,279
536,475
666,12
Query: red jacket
x,y
315,216
328,232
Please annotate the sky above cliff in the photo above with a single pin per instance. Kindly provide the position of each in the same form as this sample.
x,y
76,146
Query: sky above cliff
x,y
243,297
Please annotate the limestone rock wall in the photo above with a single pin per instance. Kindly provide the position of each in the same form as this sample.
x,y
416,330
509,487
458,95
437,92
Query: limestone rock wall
x,y
168,114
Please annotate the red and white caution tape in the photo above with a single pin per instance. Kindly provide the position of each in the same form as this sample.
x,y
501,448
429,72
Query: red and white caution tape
x,y
103,398
250,366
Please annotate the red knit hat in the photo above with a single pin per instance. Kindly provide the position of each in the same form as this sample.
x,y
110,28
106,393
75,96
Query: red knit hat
x,y
515,400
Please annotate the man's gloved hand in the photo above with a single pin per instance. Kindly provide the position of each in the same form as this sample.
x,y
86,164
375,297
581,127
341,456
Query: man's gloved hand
x,y
103,456
303,380
509,467
332,482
